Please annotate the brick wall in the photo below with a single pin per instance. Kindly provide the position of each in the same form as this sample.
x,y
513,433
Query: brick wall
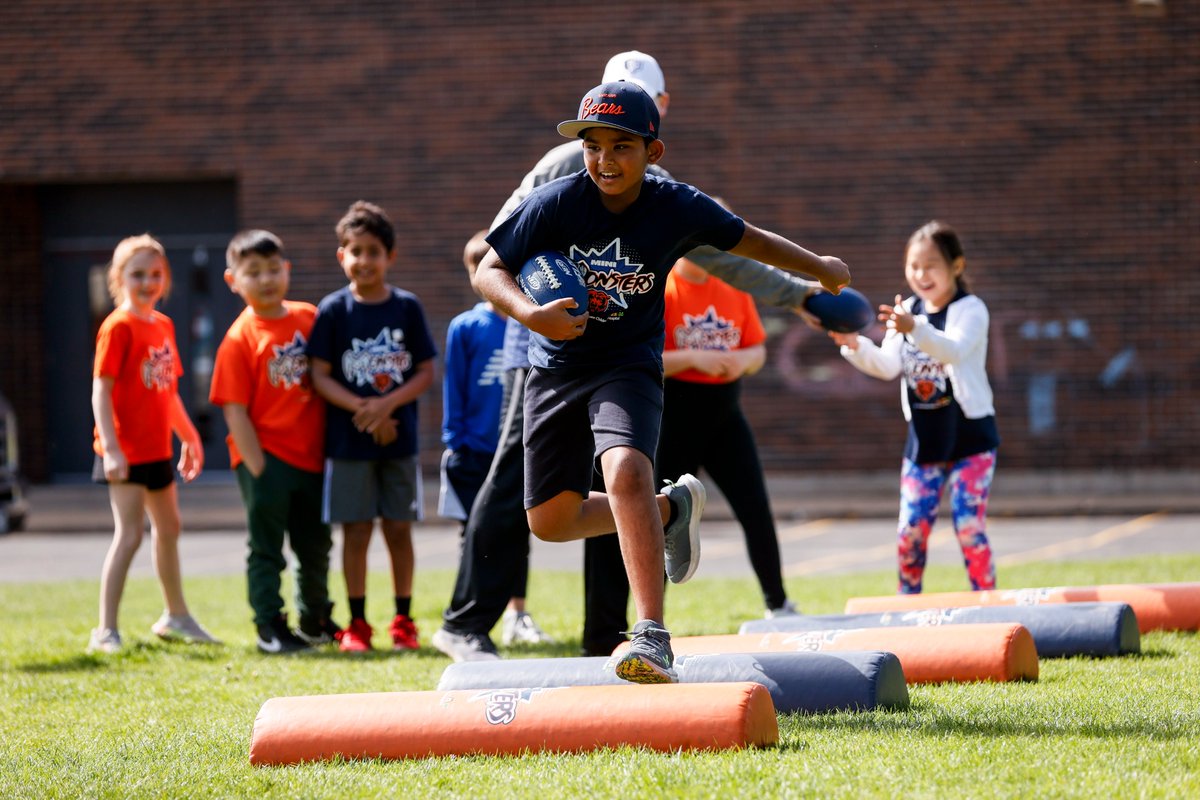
x,y
1060,138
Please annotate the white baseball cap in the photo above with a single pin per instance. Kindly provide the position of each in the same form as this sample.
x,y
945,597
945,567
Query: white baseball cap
x,y
639,68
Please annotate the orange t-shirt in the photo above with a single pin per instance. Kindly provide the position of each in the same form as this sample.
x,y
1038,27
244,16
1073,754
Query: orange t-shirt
x,y
709,316
261,364
141,357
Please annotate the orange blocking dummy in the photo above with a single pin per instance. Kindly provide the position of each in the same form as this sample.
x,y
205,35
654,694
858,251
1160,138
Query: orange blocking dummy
x,y
667,717
994,651
1157,606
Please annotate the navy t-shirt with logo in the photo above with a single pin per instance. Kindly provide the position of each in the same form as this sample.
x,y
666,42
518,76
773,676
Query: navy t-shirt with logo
x,y
939,431
625,259
372,348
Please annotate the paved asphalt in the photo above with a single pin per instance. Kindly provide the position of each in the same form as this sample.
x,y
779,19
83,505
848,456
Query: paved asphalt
x,y
70,528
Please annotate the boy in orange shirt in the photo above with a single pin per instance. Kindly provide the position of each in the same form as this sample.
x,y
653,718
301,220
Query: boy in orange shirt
x,y
276,442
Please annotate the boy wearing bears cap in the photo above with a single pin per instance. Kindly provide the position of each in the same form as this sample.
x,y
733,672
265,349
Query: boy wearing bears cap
x,y
595,387
496,536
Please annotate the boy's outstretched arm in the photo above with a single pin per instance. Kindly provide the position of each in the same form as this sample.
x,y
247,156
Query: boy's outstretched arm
x,y
771,248
496,284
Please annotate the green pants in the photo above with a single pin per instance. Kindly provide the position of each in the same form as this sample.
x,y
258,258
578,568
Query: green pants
x,y
284,499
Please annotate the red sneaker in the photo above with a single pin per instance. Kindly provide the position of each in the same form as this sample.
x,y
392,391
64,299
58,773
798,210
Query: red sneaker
x,y
404,633
356,638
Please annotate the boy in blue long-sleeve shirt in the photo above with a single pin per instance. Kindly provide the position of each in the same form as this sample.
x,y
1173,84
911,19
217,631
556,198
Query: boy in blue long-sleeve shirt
x,y
471,397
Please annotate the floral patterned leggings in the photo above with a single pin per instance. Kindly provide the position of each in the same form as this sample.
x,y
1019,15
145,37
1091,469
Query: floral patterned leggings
x,y
921,487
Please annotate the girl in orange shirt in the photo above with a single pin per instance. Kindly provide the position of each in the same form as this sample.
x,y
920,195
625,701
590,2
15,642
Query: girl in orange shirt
x,y
136,404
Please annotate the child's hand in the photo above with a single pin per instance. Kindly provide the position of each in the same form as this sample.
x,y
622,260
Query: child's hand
x,y
718,363
845,339
116,466
191,460
554,320
386,433
896,317
372,414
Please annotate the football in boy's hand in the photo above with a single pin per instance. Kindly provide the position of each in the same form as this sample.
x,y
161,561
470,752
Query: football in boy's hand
x,y
550,276
846,312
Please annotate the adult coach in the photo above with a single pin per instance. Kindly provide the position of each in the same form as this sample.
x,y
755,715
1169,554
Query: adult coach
x,y
496,540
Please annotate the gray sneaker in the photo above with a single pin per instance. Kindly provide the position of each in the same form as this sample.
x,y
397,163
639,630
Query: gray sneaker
x,y
465,646
649,658
104,640
681,538
184,629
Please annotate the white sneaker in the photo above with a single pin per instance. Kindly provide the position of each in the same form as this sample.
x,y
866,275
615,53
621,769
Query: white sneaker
x,y
184,629
464,646
104,640
788,609
519,628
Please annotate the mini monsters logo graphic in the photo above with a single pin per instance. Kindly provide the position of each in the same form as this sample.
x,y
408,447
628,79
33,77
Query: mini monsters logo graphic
x,y
158,368
610,278
925,376
707,331
289,367
379,362
500,705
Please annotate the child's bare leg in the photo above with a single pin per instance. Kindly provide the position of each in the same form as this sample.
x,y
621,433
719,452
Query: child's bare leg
x,y
127,501
398,535
639,516
356,538
568,516
165,526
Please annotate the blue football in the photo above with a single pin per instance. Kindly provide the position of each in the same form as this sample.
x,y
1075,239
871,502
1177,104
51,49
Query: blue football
x,y
550,276
846,312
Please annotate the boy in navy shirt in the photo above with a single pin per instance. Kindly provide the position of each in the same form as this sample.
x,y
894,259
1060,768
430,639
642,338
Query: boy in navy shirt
x,y
594,392
371,357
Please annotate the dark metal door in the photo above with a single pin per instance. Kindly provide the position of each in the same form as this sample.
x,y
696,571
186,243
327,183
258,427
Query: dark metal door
x,y
82,224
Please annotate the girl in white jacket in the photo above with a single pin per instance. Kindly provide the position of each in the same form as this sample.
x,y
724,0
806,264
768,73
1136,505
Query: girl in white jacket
x,y
937,341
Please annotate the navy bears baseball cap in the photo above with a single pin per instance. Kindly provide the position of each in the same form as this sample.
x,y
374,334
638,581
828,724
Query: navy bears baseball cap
x,y
618,104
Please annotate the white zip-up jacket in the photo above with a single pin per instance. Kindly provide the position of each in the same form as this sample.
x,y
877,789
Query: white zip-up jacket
x,y
962,349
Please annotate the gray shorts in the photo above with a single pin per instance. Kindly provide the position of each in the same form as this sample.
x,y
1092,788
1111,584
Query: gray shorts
x,y
359,491
572,419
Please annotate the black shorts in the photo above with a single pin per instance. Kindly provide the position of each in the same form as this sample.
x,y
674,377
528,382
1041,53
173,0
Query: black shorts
x,y
154,475
572,418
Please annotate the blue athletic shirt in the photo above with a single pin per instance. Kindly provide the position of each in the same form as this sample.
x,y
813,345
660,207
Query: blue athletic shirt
x,y
625,257
372,348
471,389
939,432
516,345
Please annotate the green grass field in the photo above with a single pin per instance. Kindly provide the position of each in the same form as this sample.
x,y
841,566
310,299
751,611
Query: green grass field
x,y
164,720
